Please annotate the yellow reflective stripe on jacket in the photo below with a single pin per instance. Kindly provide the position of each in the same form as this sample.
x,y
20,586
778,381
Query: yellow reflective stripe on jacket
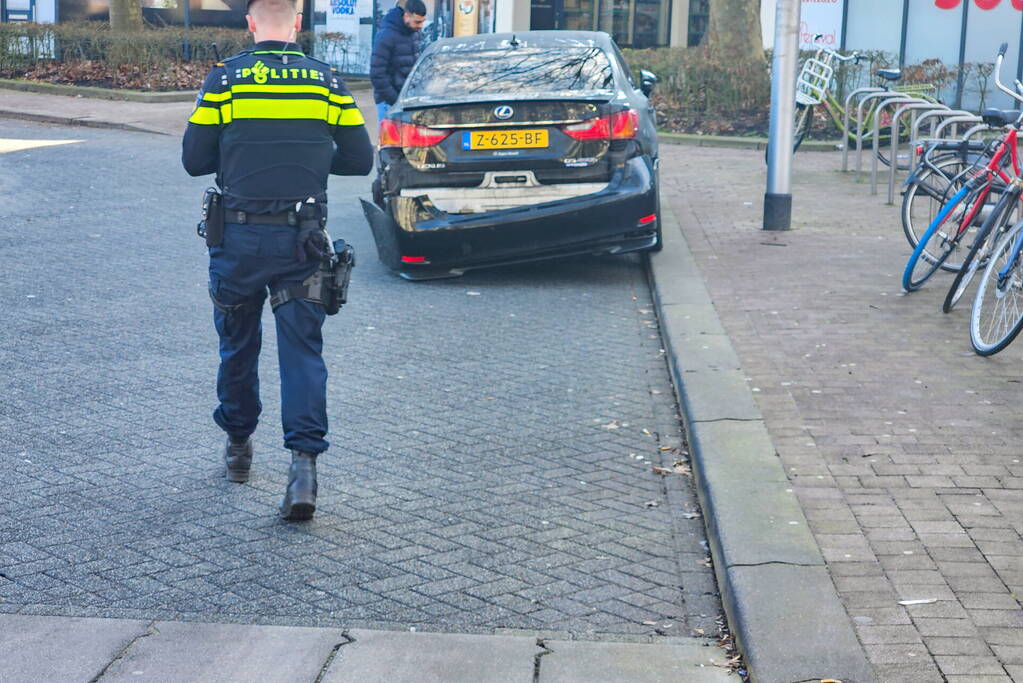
x,y
282,89
205,116
351,117
342,99
279,109
216,96
226,113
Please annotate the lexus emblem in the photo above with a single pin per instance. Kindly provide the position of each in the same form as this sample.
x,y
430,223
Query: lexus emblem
x,y
504,112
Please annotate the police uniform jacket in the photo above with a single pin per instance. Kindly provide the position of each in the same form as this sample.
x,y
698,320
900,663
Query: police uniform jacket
x,y
272,123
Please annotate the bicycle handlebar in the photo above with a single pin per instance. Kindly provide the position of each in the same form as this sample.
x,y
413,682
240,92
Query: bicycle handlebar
x,y
998,71
842,58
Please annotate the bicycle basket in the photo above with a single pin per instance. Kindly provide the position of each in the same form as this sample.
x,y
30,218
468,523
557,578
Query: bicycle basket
x,y
814,80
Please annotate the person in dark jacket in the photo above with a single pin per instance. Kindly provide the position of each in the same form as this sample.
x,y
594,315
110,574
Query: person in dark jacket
x,y
272,123
394,52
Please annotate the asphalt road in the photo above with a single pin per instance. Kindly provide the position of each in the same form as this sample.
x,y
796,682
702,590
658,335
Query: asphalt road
x,y
493,435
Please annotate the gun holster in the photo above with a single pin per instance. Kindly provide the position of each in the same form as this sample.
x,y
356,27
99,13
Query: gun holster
x,y
211,227
327,286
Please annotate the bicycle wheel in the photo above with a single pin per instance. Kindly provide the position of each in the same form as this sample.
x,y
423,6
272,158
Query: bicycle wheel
x,y
942,239
1001,217
928,191
802,124
997,315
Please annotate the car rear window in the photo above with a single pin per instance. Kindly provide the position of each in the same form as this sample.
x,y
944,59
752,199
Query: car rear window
x,y
534,69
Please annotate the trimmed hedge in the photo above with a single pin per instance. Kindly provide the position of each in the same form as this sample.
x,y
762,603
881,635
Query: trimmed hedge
x,y
23,45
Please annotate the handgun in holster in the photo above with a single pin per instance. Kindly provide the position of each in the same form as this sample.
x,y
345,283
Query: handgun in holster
x,y
328,285
211,227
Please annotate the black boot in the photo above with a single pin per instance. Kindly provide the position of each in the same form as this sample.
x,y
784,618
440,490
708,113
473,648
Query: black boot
x,y
299,502
238,459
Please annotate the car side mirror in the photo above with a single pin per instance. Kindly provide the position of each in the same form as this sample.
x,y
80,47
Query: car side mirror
x,y
647,81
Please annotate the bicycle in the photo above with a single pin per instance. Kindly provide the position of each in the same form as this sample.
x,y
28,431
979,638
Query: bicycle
x,y
814,88
997,315
998,220
965,208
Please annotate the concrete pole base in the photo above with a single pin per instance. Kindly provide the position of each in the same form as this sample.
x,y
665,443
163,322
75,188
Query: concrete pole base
x,y
777,211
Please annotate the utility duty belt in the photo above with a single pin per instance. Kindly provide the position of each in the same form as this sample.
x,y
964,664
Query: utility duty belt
x,y
328,285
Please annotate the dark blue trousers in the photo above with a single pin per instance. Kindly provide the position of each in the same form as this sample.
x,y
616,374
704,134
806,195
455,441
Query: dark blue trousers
x,y
252,259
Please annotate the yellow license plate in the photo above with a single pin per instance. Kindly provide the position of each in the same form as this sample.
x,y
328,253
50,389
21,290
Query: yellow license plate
x,y
505,139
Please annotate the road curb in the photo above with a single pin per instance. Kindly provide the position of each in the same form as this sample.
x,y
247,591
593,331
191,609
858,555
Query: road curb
x,y
736,142
781,604
97,93
73,121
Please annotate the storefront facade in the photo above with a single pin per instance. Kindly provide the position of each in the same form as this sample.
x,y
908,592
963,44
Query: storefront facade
x,y
349,25
959,33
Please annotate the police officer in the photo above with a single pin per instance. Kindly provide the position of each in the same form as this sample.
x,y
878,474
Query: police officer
x,y
272,123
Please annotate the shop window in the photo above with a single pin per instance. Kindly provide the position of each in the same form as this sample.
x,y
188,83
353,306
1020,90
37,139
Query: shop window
x,y
699,19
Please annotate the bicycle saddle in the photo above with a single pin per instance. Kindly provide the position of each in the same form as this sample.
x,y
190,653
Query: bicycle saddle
x,y
889,74
999,118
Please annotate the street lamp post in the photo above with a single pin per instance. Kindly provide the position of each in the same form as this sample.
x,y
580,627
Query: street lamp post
x,y
778,198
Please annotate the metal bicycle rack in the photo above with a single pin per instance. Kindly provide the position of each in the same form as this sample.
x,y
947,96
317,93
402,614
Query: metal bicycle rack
x,y
914,108
955,121
876,146
859,126
859,120
914,135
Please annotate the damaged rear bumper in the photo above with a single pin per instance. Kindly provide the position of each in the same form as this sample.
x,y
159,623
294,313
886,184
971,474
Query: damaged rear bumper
x,y
437,242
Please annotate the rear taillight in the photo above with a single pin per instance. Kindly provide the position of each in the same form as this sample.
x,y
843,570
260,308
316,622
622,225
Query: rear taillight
x,y
397,134
624,124
620,125
591,129
390,135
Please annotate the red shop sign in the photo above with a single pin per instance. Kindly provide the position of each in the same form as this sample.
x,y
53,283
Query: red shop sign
x,y
982,4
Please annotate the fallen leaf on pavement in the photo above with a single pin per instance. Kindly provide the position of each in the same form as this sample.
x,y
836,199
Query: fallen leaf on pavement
x,y
650,623
678,468
613,424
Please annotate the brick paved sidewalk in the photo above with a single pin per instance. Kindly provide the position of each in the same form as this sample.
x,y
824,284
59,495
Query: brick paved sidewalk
x,y
900,442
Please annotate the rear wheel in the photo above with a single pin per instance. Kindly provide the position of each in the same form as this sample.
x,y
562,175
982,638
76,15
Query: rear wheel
x,y
997,315
928,191
659,230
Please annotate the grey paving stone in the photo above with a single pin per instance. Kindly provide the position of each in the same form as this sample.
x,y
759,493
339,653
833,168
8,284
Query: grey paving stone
x,y
226,652
968,665
413,657
43,648
584,662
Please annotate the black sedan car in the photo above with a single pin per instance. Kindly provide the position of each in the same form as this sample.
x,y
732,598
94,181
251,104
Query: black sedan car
x,y
504,148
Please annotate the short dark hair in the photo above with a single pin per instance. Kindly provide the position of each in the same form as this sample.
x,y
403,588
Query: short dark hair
x,y
417,7
277,5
